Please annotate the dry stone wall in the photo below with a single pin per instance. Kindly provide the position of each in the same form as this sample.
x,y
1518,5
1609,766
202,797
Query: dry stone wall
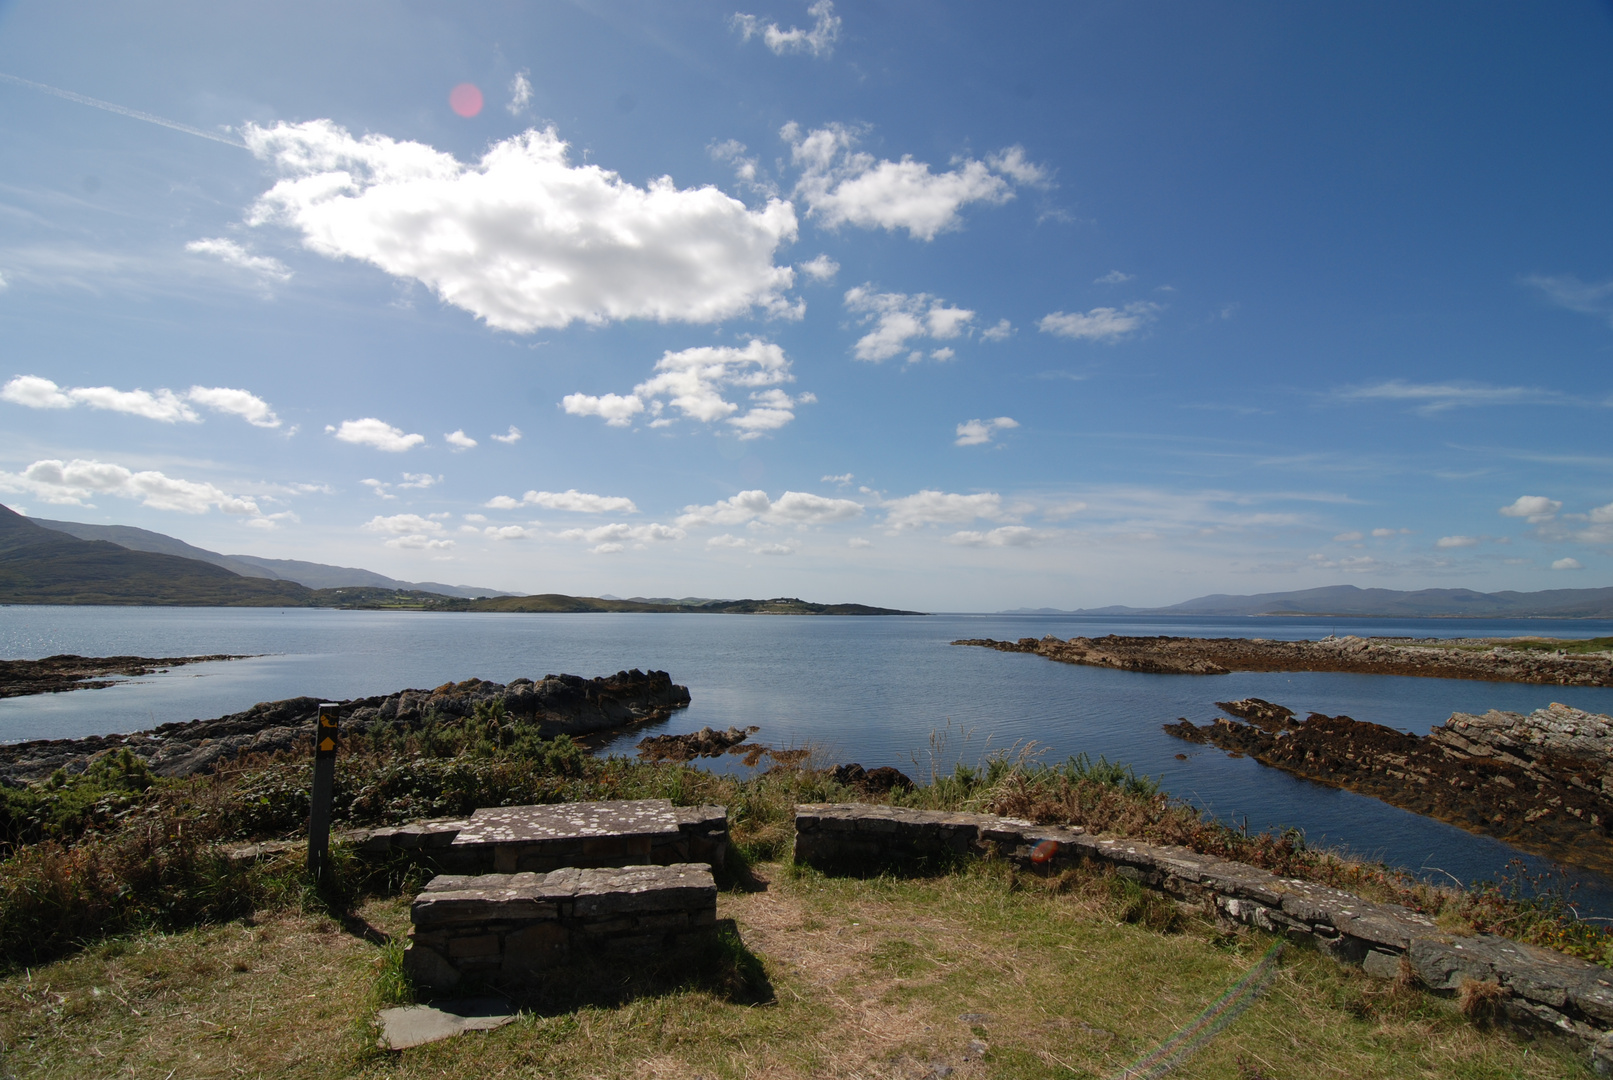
x,y
514,927
1542,989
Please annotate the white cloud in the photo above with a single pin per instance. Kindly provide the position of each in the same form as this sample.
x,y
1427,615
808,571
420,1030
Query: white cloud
x,y
73,483
502,502
608,539
792,508
1536,508
842,479
1005,536
478,518
821,268
1456,542
819,40
510,437
1381,533
1355,564
1432,398
523,239
520,94
419,542
1001,332
693,382
402,524
859,542
1603,515
166,406
976,432
727,540
1347,537
938,507
419,480
379,487
1114,277
243,403
507,532
271,521
775,549
617,410
460,441
1099,324
942,355
372,432
898,318
1568,291
235,255
1566,564
1011,162
843,186
578,502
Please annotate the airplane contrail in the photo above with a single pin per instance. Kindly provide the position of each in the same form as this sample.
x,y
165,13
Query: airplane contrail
x,y
122,111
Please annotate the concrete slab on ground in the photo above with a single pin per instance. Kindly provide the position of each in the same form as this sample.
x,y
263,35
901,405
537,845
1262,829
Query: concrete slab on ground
x,y
417,1025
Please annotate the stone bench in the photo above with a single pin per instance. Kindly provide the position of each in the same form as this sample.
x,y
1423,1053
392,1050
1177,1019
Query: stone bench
x,y
511,927
514,839
1542,988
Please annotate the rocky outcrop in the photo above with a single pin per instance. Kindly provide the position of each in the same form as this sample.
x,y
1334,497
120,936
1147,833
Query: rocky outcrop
x,y
707,742
558,704
1543,782
1446,659
67,671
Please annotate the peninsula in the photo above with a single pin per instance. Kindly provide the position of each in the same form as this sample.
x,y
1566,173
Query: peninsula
x,y
1525,660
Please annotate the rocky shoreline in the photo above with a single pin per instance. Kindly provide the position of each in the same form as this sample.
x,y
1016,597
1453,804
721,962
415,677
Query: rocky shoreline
x,y
1541,782
66,671
558,704
1465,658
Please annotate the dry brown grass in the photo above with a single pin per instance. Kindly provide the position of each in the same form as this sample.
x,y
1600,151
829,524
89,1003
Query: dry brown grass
x,y
985,973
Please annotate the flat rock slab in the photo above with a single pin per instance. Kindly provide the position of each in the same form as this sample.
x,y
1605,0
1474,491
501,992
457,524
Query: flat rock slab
x,y
417,1025
452,899
569,821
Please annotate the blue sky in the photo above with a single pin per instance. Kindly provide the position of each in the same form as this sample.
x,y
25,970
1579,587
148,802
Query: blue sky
x,y
951,306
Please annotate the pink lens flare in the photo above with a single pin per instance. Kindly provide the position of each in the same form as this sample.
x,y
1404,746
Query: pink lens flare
x,y
1044,852
465,99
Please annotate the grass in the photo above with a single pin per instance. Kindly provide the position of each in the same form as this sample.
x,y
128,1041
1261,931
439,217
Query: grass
x,y
1570,646
985,971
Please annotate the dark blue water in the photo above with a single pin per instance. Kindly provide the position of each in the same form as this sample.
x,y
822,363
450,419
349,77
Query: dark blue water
x,y
872,690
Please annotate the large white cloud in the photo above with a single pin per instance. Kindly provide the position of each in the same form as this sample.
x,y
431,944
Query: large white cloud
x,y
791,508
377,433
166,406
941,507
1099,324
844,186
818,40
694,381
898,318
73,483
523,238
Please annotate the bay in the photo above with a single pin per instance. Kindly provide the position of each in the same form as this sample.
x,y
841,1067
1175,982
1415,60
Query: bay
x,y
879,691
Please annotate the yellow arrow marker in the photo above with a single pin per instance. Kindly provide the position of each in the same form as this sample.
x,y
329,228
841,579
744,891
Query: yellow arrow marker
x,y
327,744
327,721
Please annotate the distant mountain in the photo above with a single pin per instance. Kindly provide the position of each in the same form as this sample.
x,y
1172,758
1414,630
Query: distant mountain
x,y
44,566
312,575
1348,600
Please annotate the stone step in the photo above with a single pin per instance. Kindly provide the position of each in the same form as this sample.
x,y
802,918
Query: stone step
x,y
514,839
510,927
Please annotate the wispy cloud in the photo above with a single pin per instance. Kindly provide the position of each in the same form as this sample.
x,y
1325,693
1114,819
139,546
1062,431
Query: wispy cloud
x,y
570,501
1101,323
1566,290
233,254
1431,398
818,39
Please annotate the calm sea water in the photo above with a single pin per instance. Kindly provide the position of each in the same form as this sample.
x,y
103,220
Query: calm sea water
x,y
879,691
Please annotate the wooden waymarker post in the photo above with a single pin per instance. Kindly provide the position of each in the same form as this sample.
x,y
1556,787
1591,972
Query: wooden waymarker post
x,y
326,733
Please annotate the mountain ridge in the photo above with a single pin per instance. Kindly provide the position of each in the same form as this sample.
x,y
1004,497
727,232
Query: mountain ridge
x,y
1352,601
